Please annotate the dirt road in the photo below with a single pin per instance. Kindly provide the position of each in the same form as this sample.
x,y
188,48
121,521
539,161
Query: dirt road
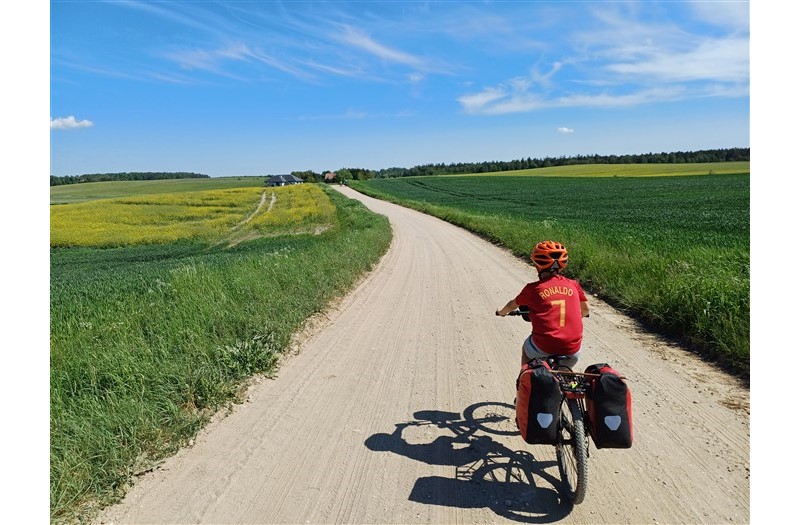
x,y
371,420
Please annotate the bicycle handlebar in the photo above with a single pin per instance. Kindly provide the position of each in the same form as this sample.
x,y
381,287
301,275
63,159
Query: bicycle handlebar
x,y
513,312
520,312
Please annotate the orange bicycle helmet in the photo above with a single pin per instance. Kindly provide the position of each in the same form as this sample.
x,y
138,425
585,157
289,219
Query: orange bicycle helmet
x,y
549,255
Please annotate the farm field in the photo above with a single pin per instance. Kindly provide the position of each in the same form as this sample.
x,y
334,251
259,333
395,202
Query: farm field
x,y
221,215
154,332
673,250
85,191
626,170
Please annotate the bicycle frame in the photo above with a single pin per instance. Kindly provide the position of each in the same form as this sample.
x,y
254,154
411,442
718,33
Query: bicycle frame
x,y
572,451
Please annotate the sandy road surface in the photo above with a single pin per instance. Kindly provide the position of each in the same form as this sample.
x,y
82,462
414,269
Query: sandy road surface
x,y
372,420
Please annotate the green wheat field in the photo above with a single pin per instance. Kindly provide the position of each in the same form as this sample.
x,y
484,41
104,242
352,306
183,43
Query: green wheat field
x,y
672,250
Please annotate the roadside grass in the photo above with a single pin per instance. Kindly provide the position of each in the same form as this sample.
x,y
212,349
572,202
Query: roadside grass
x,y
148,341
673,251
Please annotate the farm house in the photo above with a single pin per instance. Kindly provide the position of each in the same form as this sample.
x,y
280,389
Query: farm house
x,y
283,180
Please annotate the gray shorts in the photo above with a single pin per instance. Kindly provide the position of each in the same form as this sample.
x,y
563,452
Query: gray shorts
x,y
532,351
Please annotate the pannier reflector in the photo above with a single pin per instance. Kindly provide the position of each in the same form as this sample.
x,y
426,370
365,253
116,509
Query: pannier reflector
x,y
613,422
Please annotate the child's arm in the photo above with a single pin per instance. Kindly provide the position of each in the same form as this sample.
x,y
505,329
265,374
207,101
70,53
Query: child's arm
x,y
509,307
584,308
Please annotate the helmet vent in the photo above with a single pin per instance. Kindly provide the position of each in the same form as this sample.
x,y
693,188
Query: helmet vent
x,y
550,255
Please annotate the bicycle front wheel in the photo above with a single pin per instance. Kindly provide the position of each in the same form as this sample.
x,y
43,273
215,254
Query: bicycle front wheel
x,y
572,450
492,417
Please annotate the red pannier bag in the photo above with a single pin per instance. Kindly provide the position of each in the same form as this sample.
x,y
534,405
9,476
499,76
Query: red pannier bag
x,y
538,403
608,407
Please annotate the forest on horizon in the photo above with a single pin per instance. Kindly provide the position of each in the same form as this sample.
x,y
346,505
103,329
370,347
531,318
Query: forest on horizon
x,y
675,157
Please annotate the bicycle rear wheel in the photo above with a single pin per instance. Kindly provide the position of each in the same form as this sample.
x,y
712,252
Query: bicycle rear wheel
x,y
572,450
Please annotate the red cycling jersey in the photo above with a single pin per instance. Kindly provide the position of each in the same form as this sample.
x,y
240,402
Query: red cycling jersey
x,y
555,313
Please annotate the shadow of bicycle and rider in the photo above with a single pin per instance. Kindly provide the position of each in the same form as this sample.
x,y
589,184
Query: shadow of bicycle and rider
x,y
512,483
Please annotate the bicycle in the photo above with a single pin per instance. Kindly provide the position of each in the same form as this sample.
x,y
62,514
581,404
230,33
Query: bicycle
x,y
572,448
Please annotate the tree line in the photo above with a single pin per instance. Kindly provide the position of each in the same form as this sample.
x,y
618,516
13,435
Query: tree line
x,y
675,157
343,174
136,175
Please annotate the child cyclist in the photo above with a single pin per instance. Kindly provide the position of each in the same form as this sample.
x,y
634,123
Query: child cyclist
x,y
557,305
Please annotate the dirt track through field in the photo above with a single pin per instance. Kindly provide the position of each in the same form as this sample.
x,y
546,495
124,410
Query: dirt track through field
x,y
373,418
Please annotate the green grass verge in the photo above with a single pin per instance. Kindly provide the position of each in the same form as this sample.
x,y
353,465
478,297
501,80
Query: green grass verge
x,y
147,342
674,251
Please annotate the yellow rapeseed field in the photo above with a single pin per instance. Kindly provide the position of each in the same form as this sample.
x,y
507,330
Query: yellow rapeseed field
x,y
298,206
197,216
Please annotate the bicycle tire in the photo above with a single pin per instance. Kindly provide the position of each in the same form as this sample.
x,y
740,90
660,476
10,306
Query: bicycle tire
x,y
572,451
492,417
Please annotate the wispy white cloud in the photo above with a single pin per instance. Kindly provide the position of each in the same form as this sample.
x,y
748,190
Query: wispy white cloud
x,y
477,102
215,60
734,16
726,90
69,122
358,114
625,60
101,71
198,59
269,60
545,79
213,52
497,101
610,100
359,39
721,60
565,130
468,22
166,14
168,78
347,71
307,42
130,73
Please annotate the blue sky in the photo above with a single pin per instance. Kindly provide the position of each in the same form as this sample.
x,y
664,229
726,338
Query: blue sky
x,y
254,88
